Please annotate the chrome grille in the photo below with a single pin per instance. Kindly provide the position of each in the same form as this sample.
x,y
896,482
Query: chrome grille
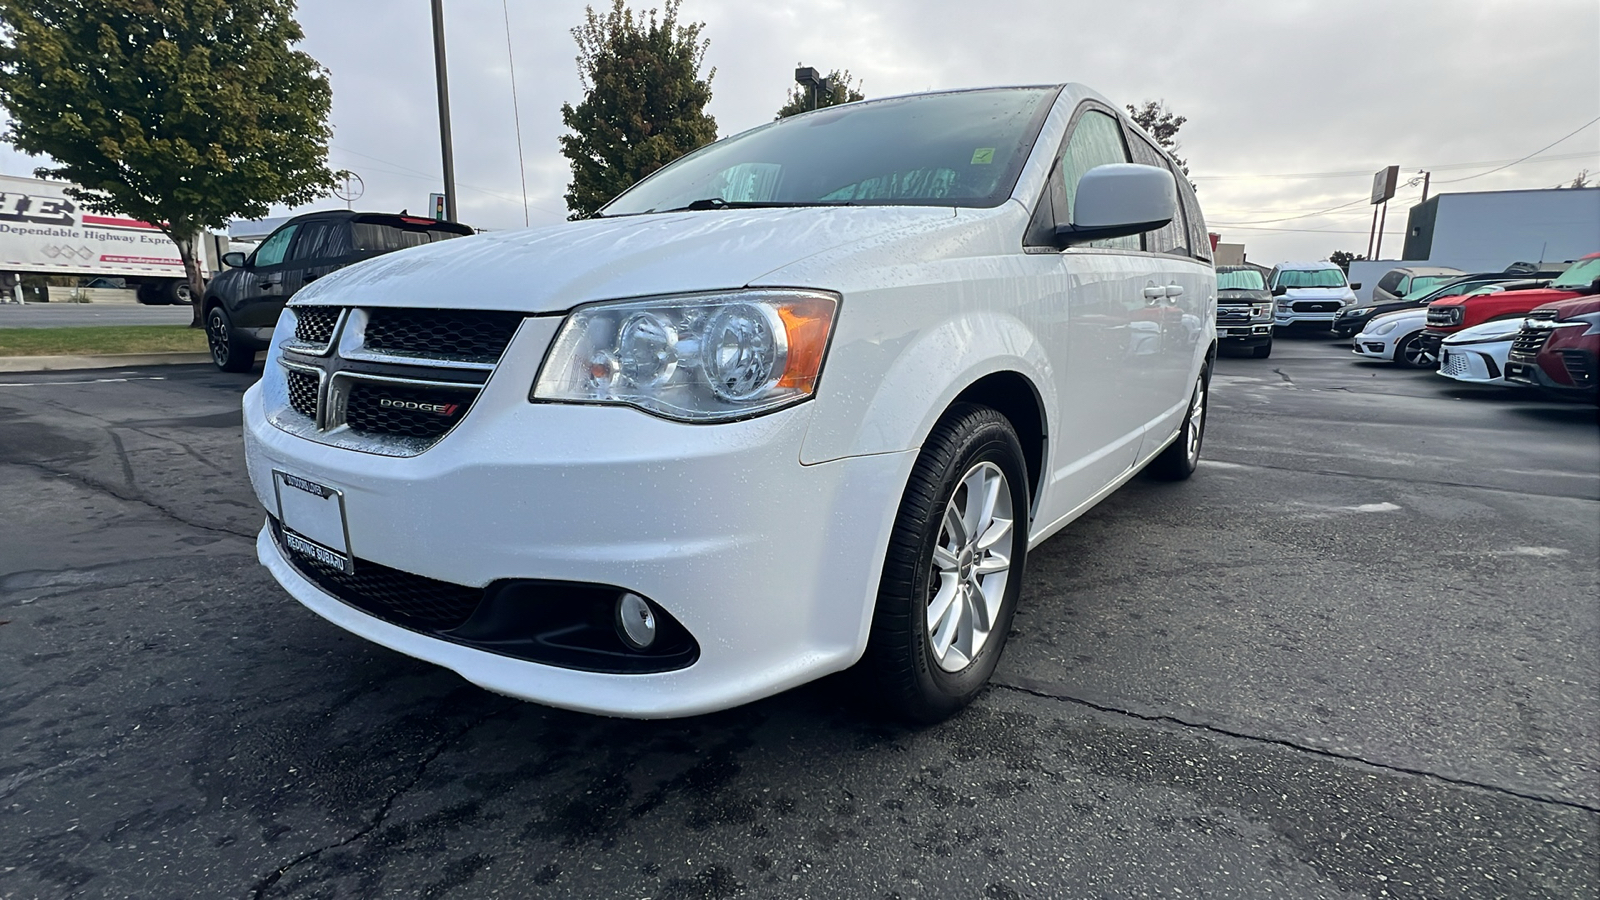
x,y
465,334
303,392
387,381
418,412
1529,341
314,324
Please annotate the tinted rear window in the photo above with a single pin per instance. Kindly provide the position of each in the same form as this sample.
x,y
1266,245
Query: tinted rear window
x,y
382,237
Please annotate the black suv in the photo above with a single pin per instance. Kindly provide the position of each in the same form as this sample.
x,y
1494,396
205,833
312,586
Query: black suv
x,y
242,304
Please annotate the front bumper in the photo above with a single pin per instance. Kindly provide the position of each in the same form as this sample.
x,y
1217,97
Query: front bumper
x,y
1484,364
1374,346
772,566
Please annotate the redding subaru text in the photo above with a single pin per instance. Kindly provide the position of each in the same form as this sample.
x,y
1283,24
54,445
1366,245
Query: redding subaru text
x,y
800,401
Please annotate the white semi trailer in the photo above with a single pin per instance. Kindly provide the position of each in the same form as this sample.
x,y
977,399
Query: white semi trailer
x,y
45,232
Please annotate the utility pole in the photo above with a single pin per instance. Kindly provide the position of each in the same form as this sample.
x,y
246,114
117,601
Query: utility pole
x,y
446,150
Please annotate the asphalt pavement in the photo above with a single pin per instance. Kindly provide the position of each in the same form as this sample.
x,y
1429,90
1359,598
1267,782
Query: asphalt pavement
x,y
57,315
1357,655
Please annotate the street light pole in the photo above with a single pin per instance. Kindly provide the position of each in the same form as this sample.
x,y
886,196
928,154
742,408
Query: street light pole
x,y
447,151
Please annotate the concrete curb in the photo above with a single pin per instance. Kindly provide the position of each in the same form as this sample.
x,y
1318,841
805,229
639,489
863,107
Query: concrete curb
x,y
108,361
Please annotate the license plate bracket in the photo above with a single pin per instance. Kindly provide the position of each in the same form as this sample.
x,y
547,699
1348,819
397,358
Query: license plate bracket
x,y
312,516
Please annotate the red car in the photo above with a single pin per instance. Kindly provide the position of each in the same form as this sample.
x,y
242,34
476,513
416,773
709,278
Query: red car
x,y
1559,350
1448,316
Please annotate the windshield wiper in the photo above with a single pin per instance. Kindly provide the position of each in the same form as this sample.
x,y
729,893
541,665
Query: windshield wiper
x,y
719,203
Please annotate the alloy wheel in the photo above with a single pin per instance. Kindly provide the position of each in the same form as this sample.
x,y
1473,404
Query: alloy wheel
x,y
1197,421
971,566
217,338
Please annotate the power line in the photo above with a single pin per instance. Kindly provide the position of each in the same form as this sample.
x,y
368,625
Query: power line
x,y
1529,156
1439,167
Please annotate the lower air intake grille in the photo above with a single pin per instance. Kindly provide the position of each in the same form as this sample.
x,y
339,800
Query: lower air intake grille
x,y
390,594
465,334
314,324
405,410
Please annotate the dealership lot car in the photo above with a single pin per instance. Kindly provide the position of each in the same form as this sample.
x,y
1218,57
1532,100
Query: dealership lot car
x,y
803,398
1477,355
1392,337
1309,293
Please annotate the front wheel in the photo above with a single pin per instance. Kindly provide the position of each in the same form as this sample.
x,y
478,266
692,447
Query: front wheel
x,y
1263,351
953,569
226,351
1412,354
1182,456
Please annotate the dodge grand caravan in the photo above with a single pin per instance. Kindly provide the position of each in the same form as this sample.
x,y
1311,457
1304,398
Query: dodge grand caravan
x,y
800,401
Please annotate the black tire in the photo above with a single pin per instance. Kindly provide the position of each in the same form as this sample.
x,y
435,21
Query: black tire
x,y
907,679
226,349
1182,456
149,294
1263,351
177,292
1408,355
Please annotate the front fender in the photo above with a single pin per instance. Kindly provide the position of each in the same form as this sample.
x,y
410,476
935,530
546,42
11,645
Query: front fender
x,y
916,376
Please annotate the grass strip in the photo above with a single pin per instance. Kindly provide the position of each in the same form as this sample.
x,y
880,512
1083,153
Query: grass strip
x,y
98,340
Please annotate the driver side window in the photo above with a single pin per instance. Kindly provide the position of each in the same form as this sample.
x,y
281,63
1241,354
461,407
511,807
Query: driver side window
x,y
271,251
1096,141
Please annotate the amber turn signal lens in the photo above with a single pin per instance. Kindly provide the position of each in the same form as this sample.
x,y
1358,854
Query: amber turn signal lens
x,y
807,322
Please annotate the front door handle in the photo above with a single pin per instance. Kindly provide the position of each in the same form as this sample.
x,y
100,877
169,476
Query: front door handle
x,y
1174,291
1154,292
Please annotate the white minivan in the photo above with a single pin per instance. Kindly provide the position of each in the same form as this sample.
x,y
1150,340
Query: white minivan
x,y
801,400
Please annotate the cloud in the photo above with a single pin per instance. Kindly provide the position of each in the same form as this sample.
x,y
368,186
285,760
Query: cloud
x,y
1271,87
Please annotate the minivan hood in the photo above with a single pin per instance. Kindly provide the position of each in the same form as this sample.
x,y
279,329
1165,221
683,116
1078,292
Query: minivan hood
x,y
557,267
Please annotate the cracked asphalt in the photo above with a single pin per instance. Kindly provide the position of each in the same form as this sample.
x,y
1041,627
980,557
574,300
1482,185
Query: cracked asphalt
x,y
1358,655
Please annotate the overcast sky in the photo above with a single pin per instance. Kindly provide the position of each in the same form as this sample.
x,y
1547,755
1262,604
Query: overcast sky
x,y
1292,104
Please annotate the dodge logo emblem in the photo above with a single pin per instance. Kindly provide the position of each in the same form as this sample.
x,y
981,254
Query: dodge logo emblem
x,y
441,409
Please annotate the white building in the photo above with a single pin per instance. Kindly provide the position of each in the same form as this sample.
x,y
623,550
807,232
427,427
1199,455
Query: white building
x,y
1489,230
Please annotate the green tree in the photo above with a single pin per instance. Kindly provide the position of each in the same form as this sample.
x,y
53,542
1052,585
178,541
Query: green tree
x,y
844,90
644,100
1343,259
1161,124
183,114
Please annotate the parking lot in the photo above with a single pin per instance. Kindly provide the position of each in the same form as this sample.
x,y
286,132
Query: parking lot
x,y
1357,655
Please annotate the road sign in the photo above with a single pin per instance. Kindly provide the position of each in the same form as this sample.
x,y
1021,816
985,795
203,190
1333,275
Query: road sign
x,y
1384,183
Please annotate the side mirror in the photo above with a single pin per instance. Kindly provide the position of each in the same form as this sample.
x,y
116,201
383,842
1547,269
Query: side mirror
x,y
233,260
1279,291
1355,286
1118,200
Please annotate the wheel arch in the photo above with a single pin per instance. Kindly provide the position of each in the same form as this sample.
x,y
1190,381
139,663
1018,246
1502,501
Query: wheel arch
x,y
1014,395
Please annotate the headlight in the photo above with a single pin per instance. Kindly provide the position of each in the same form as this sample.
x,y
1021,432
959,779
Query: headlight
x,y
706,358
1593,320
1386,327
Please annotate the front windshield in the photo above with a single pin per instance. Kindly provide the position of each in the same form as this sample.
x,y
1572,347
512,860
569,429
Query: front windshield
x,y
1310,278
1240,280
1580,274
1439,292
1429,282
956,149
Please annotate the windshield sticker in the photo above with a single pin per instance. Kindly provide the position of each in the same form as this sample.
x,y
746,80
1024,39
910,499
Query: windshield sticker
x,y
983,156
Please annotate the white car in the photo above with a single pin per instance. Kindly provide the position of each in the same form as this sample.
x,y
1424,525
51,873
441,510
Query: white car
x,y
804,398
1392,337
1477,355
1309,293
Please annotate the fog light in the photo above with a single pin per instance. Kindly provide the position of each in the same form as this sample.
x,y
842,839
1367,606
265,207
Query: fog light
x,y
635,621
